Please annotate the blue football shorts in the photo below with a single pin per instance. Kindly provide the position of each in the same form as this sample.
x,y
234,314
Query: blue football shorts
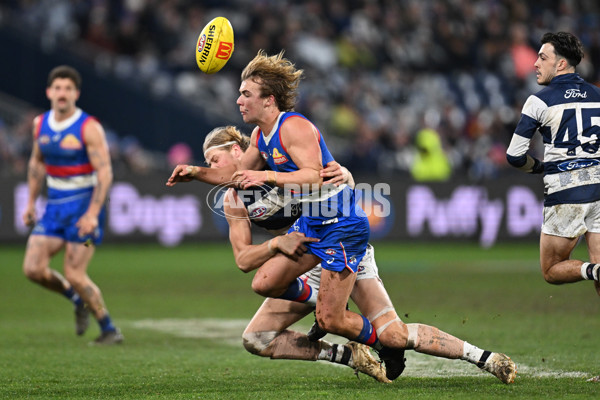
x,y
61,215
341,244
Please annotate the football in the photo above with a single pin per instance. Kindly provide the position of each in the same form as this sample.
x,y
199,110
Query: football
x,y
215,45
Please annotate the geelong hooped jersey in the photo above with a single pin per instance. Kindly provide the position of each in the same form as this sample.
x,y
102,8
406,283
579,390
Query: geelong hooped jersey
x,y
68,168
322,205
268,208
567,115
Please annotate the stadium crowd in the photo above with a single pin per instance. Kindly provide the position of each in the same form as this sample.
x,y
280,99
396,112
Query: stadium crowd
x,y
387,80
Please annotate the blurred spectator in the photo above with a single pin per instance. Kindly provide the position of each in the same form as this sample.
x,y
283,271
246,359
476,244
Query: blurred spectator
x,y
430,163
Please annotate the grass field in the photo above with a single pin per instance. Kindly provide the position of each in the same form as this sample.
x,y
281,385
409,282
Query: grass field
x,y
182,311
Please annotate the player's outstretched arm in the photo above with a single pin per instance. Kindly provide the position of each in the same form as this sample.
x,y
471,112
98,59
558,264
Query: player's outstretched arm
x,y
188,173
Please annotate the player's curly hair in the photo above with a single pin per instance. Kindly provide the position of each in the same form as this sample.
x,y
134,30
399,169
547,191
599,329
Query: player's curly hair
x,y
277,76
565,45
225,137
65,72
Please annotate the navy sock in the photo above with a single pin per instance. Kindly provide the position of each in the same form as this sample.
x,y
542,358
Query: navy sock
x,y
72,295
106,324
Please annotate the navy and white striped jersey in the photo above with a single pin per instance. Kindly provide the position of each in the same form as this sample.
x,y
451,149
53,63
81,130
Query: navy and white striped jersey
x,y
567,115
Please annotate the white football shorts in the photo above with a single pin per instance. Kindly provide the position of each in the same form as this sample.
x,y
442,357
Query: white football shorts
x,y
572,220
367,269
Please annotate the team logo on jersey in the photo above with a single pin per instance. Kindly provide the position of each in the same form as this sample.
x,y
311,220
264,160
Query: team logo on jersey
x,y
278,157
330,252
258,212
44,139
360,268
70,142
352,260
264,155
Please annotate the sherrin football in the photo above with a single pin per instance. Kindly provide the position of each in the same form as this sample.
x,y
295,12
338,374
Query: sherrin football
x,y
215,45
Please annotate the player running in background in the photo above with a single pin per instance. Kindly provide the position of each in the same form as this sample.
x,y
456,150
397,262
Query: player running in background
x,y
70,151
267,333
566,114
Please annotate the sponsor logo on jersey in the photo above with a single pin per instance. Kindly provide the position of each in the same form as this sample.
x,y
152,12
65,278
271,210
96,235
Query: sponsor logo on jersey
x,y
576,164
330,252
330,260
258,212
264,155
70,142
575,93
278,157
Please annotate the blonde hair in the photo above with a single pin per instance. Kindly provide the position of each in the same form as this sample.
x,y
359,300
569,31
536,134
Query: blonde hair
x,y
225,137
277,76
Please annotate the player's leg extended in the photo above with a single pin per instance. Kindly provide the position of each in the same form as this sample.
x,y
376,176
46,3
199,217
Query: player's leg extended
x,y
36,264
267,336
77,259
556,266
372,299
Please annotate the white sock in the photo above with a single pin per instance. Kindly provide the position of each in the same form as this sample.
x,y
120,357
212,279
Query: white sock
x,y
589,271
471,353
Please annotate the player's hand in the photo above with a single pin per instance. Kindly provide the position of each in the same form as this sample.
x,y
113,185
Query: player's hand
x,y
248,178
334,174
292,244
29,217
87,224
182,173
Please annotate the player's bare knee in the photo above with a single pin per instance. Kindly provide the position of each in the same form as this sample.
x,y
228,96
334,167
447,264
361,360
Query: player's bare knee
x,y
34,274
257,342
264,287
549,277
75,278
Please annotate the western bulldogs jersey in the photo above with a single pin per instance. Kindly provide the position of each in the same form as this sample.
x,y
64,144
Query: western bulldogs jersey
x,y
70,178
567,115
324,204
68,168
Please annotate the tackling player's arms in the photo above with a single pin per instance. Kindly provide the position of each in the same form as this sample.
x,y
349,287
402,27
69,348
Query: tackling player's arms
x,y
249,257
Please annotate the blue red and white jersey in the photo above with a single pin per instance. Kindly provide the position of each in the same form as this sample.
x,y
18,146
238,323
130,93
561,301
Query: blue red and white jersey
x,y
567,115
62,144
324,203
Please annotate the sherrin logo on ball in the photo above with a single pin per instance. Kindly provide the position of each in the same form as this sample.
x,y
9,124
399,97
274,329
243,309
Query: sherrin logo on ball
x,y
215,45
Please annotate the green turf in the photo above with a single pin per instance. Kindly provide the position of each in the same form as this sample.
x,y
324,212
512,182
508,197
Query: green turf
x,y
494,298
